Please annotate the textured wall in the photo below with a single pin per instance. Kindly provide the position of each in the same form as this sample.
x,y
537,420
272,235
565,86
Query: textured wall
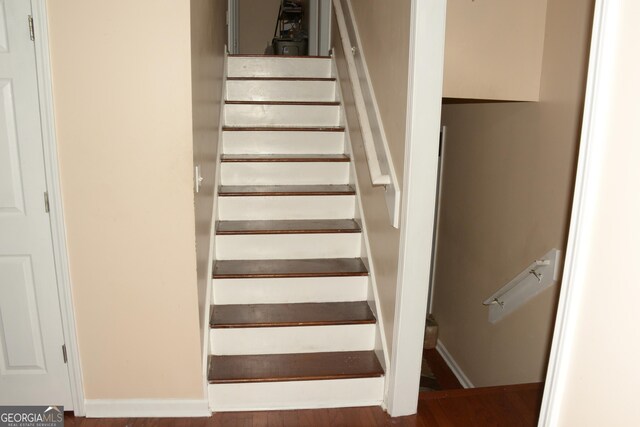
x,y
122,95
389,75
508,178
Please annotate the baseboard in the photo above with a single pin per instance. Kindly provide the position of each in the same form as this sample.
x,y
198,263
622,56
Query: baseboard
x,y
155,408
455,368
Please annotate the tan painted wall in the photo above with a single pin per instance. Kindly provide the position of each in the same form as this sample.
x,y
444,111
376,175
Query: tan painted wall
x,y
507,187
389,74
208,38
256,22
607,295
122,94
494,49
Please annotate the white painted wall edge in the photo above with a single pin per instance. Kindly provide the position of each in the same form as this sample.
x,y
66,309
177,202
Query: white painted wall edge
x,y
137,408
214,218
600,75
56,214
453,365
424,103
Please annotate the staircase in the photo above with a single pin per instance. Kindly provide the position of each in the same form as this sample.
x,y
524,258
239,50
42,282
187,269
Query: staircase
x,y
291,322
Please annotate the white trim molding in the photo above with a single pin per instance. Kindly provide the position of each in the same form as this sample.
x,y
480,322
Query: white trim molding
x,y
56,214
156,408
381,170
424,103
596,107
453,365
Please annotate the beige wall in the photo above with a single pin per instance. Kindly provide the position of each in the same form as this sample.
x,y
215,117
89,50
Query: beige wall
x,y
384,31
208,38
494,49
256,22
389,73
122,95
507,186
606,295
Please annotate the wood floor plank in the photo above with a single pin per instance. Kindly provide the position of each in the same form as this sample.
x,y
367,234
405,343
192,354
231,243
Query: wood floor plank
x,y
293,367
430,413
444,376
280,315
283,158
285,190
310,226
281,268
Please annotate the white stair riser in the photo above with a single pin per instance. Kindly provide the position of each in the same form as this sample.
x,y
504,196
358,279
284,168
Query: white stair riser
x,y
280,90
296,339
278,67
286,207
281,115
284,173
289,290
275,142
288,246
296,394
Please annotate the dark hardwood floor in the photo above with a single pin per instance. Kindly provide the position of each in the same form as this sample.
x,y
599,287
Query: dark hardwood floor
x,y
509,406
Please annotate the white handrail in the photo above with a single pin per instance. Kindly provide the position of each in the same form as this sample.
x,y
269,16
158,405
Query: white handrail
x,y
375,172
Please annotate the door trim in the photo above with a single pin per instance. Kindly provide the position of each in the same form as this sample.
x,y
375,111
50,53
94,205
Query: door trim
x,y
603,43
56,214
424,102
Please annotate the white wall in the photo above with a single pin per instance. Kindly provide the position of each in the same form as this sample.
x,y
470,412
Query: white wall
x,y
598,377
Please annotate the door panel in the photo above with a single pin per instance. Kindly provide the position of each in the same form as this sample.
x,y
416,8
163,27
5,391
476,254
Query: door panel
x,y
32,367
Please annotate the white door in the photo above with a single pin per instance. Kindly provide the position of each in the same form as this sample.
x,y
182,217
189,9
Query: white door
x,y
32,366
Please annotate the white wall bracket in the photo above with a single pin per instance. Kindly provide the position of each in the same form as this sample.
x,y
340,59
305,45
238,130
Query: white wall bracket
x,y
538,276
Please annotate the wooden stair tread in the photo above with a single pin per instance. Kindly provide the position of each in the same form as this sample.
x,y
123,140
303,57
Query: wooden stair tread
x,y
308,226
257,55
283,128
301,314
285,190
316,103
261,158
286,79
293,367
283,268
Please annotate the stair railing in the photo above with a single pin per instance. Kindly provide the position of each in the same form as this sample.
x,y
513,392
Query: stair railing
x,y
381,173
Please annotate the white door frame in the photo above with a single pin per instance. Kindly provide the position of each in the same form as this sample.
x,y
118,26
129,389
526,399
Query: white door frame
x,y
232,26
410,310
603,45
56,217
319,21
424,103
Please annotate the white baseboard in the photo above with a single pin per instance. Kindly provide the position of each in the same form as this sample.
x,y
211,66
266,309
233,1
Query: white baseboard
x,y
455,368
156,408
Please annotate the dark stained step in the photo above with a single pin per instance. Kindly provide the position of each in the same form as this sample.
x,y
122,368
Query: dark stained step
x,y
287,79
244,55
317,103
300,226
285,190
283,158
281,315
283,128
284,268
293,367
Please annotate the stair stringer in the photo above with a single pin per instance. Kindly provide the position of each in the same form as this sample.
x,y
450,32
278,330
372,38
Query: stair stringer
x,y
214,218
373,299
